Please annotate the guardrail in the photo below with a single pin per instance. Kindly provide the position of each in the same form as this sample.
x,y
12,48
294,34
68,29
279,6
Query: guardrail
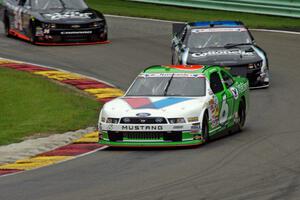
x,y
287,8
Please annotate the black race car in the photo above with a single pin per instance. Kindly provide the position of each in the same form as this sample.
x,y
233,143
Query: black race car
x,y
53,21
224,43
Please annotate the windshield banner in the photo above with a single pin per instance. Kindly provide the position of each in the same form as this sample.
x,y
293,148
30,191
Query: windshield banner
x,y
175,75
211,30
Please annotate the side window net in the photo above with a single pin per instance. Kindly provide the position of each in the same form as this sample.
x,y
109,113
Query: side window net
x,y
227,79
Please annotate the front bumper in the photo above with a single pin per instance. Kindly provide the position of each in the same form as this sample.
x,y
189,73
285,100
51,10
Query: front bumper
x,y
152,144
87,35
257,78
164,136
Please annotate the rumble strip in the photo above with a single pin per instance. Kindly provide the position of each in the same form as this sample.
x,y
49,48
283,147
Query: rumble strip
x,y
102,91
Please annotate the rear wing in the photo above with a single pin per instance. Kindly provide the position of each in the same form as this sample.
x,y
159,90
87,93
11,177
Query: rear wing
x,y
178,28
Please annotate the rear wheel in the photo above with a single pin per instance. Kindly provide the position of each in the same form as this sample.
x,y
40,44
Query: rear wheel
x,y
205,129
241,116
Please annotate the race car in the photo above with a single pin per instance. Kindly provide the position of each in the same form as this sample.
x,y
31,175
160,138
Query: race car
x,y
175,106
54,22
224,43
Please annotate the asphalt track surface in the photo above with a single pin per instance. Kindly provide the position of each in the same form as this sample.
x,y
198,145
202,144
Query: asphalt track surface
x,y
261,163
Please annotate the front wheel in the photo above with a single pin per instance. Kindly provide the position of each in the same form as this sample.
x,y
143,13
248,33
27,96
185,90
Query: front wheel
x,y
32,33
172,59
241,116
205,129
7,26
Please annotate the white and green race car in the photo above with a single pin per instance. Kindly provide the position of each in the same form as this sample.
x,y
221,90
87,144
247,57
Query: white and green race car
x,y
175,106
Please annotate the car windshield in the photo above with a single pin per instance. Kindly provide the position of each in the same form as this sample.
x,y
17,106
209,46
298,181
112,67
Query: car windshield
x,y
168,86
217,37
58,4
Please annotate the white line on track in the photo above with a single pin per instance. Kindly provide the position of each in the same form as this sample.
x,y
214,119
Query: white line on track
x,y
63,161
167,21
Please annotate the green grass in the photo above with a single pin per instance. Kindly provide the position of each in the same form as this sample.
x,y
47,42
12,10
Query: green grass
x,y
127,8
31,104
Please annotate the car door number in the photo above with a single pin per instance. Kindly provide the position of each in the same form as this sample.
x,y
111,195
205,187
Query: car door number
x,y
224,111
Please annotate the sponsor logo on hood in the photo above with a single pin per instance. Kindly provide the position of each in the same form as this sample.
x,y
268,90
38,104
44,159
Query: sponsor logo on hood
x,y
143,114
144,103
68,15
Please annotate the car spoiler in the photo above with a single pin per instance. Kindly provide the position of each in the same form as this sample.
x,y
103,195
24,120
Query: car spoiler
x,y
178,27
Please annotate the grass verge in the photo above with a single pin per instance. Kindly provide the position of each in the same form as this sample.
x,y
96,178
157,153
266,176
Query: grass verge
x,y
127,8
31,105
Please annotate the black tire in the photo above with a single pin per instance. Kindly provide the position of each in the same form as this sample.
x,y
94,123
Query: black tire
x,y
32,33
205,129
172,59
6,26
105,38
241,116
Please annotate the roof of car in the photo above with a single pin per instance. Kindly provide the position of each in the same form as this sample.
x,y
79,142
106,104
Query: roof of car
x,y
206,24
192,69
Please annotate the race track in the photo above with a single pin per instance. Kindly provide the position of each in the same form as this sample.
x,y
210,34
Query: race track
x,y
261,163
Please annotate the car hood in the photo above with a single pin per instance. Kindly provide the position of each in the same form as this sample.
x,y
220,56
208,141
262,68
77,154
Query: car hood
x,y
69,16
169,107
223,56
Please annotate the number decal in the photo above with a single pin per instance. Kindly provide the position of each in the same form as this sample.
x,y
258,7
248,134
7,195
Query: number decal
x,y
224,111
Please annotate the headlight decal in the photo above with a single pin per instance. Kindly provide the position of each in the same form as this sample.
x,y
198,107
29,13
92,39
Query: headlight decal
x,y
112,120
193,119
176,120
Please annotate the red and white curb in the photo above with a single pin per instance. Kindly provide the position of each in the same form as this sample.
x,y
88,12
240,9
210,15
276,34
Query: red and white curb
x,y
101,90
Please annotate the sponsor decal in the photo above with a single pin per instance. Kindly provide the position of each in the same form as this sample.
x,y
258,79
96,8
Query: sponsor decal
x,y
75,26
206,30
146,103
70,15
222,52
234,92
143,114
141,128
214,111
186,67
176,75
195,128
76,32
